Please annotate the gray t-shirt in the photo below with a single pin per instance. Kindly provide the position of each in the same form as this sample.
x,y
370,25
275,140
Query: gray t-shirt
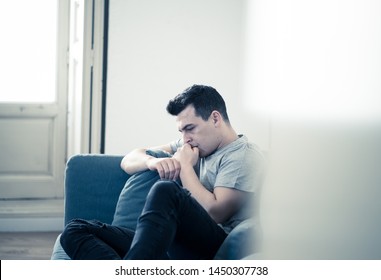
x,y
239,165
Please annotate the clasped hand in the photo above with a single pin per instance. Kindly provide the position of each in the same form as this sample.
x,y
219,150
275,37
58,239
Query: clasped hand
x,y
169,168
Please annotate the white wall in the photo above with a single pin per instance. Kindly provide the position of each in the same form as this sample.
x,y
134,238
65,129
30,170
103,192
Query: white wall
x,y
159,48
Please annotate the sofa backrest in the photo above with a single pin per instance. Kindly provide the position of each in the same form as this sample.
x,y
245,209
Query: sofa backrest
x,y
92,186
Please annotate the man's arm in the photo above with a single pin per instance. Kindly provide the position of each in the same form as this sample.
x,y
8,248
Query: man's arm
x,y
137,160
220,204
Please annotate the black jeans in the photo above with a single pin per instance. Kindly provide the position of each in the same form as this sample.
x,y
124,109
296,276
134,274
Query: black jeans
x,y
172,225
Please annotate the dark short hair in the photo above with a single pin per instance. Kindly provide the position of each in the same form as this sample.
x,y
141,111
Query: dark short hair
x,y
205,100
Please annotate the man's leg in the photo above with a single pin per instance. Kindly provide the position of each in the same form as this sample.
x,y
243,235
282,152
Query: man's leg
x,y
93,240
172,218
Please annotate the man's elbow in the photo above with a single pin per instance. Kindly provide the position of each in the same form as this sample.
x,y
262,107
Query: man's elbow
x,y
126,167
218,215
123,165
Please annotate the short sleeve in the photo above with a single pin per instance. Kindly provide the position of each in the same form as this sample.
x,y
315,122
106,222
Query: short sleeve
x,y
243,171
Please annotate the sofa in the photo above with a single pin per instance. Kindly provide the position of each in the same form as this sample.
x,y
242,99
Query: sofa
x,y
97,188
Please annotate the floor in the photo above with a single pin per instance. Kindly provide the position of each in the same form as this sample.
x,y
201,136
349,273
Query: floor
x,y
26,245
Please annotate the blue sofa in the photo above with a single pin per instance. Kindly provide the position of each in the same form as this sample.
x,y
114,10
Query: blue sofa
x,y
93,185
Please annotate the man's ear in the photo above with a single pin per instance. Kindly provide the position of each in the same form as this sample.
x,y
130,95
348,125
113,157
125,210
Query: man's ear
x,y
216,117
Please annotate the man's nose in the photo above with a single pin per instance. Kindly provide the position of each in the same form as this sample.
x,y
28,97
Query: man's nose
x,y
186,138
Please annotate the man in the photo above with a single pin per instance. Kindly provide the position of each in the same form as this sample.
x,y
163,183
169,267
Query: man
x,y
220,173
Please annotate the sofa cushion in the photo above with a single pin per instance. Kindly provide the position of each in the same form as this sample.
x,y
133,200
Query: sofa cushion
x,y
133,195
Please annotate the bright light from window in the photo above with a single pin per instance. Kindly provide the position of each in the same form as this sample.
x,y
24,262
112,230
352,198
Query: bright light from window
x,y
314,59
28,51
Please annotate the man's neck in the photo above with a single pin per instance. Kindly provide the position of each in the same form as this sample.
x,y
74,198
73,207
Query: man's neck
x,y
228,137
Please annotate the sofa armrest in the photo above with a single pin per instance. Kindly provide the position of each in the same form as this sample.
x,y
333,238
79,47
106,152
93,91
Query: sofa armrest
x,y
242,242
92,186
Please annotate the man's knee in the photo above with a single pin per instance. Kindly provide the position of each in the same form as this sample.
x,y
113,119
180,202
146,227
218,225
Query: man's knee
x,y
75,227
164,189
165,196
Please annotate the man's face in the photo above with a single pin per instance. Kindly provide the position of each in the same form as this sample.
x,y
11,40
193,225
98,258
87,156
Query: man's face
x,y
197,132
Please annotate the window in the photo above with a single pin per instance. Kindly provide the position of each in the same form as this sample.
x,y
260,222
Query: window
x,y
28,51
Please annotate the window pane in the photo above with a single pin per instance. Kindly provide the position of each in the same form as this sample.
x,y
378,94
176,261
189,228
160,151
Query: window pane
x,y
28,51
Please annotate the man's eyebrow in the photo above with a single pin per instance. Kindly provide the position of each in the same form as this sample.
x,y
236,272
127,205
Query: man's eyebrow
x,y
186,127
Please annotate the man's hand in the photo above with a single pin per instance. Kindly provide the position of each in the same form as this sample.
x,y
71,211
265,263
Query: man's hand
x,y
187,155
168,168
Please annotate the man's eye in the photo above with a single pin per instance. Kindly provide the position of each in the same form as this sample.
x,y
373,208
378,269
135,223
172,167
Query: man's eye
x,y
187,128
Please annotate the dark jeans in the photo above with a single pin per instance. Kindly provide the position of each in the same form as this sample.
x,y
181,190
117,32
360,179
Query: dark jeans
x,y
173,224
